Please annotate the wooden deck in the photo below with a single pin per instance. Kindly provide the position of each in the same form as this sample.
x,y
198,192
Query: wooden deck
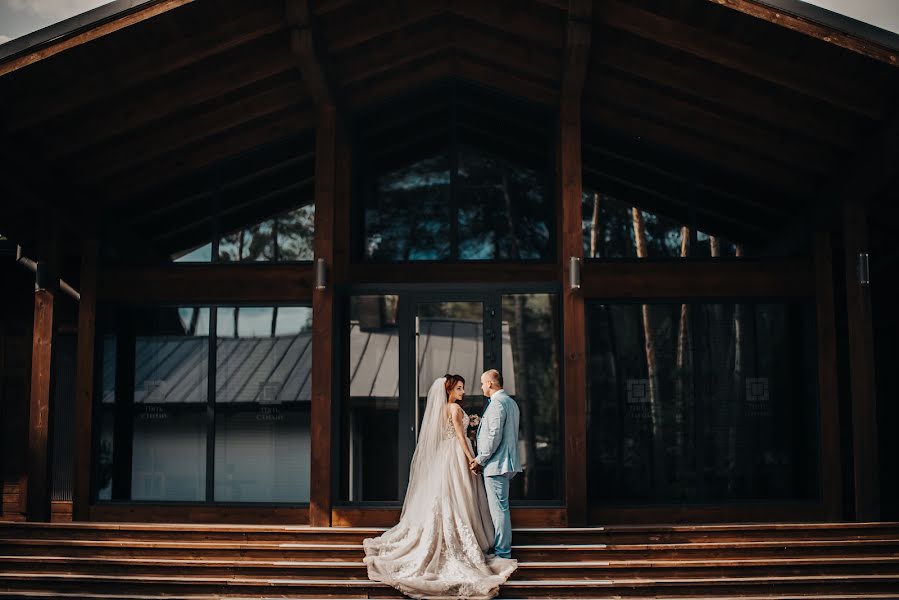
x,y
767,560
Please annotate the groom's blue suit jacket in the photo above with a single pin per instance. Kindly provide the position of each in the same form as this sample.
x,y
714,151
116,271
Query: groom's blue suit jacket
x,y
498,437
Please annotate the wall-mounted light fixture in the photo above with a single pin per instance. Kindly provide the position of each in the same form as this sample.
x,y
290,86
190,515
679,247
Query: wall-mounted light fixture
x,y
864,272
574,273
320,274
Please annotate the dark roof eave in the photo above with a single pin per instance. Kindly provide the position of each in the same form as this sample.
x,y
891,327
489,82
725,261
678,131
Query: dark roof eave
x,y
69,27
837,21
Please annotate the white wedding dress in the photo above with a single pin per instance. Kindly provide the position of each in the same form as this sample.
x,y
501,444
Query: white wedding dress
x,y
437,550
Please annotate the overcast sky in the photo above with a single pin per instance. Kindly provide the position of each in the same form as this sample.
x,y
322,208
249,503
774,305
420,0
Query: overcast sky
x,y
18,17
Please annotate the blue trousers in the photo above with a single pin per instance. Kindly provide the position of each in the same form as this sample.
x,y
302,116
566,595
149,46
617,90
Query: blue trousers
x,y
498,501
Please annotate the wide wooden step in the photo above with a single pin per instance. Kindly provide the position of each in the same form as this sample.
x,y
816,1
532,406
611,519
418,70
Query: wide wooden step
x,y
110,560
293,587
527,571
340,551
617,534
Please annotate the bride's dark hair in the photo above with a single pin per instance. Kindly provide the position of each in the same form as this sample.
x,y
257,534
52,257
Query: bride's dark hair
x,y
451,381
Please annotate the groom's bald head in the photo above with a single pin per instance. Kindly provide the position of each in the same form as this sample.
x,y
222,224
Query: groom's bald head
x,y
491,381
493,376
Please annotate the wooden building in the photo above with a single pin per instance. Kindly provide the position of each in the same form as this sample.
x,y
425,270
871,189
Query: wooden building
x,y
669,223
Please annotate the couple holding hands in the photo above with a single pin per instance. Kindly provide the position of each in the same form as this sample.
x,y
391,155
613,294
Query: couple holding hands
x,y
454,537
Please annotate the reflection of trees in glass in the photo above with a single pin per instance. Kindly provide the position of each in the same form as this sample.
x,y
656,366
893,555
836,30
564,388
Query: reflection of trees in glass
x,y
296,230
104,468
608,232
721,438
287,236
410,218
503,211
532,327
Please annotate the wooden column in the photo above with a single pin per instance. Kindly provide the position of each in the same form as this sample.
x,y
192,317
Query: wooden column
x,y
828,385
861,366
571,245
326,152
39,463
84,381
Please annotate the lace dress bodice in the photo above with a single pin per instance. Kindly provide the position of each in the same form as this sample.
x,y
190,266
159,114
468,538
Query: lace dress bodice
x,y
449,432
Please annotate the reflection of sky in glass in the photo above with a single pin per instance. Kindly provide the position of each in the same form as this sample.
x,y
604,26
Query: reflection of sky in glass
x,y
186,315
255,321
200,254
252,321
293,320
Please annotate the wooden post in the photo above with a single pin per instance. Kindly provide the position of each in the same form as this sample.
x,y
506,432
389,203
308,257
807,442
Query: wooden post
x,y
84,381
828,386
39,463
572,245
322,319
861,366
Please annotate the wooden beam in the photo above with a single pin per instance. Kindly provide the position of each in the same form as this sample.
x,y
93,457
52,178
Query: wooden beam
x,y
63,43
828,385
533,23
862,384
221,282
307,54
577,50
502,78
361,26
751,166
72,90
751,61
745,277
39,449
463,273
327,139
403,79
161,139
812,29
134,109
208,151
716,123
84,381
692,76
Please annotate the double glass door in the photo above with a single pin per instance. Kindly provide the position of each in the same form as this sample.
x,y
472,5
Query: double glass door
x,y
398,346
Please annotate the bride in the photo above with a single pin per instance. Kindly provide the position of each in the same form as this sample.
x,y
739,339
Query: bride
x,y
438,548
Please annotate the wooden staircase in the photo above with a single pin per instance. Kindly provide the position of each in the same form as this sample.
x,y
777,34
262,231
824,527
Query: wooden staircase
x,y
115,560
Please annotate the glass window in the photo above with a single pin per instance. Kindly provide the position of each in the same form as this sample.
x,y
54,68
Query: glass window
x,y
154,398
200,254
370,420
455,172
171,370
701,402
530,368
263,377
285,237
409,214
503,212
616,229
106,416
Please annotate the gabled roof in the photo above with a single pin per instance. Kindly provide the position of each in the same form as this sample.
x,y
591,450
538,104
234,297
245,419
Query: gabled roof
x,y
134,99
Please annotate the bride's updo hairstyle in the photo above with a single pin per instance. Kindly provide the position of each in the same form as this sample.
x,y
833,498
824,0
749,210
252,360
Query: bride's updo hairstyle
x,y
450,383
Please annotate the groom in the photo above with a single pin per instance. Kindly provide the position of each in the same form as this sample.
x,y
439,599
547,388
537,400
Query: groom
x,y
498,456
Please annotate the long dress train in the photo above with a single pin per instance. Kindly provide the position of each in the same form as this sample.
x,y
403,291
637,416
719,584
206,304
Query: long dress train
x,y
437,550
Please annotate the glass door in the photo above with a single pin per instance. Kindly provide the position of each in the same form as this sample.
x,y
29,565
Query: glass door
x,y
398,345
